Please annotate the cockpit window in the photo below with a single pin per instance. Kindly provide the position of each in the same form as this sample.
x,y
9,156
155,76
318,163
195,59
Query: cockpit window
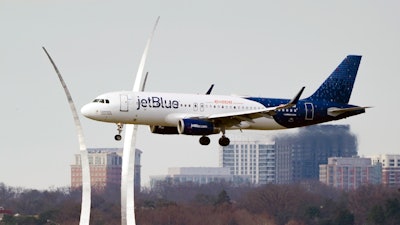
x,y
102,101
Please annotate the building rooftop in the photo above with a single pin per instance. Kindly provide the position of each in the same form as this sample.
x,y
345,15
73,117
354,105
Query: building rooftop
x,y
198,171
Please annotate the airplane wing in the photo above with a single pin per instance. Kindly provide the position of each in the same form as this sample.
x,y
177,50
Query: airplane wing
x,y
234,118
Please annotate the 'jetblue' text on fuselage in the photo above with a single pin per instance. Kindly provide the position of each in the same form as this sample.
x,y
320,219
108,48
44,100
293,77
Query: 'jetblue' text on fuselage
x,y
156,102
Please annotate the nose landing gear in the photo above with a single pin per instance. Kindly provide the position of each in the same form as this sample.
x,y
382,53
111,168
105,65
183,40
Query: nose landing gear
x,y
120,126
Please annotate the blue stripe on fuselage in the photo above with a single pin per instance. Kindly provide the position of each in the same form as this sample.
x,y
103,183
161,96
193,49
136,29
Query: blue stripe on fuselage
x,y
305,112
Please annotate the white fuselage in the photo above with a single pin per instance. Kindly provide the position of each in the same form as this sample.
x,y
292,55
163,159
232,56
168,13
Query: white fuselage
x,y
166,109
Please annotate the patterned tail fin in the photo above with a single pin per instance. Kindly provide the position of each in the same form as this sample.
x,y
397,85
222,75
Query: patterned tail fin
x,y
338,86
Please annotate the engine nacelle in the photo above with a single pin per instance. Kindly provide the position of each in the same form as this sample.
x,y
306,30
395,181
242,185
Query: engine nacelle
x,y
163,130
196,127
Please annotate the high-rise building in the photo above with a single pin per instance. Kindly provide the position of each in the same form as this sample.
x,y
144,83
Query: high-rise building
x,y
298,155
390,169
349,173
250,157
105,168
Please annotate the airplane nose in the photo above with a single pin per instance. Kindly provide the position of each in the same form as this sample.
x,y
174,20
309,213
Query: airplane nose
x,y
85,110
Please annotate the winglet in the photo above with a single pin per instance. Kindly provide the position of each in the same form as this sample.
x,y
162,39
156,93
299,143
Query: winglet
x,y
210,89
292,102
296,98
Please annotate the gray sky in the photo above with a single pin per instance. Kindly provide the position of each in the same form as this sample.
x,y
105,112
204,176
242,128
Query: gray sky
x,y
258,48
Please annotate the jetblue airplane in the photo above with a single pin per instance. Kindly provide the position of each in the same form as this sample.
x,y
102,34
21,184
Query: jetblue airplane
x,y
203,115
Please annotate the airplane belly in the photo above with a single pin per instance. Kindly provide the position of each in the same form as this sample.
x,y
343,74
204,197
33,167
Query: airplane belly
x,y
265,124
151,117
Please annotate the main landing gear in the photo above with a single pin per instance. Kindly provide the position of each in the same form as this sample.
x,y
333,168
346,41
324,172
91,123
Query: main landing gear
x,y
204,140
223,141
118,137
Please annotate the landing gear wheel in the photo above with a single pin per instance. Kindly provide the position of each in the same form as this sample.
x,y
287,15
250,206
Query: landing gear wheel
x,y
119,129
224,141
117,137
204,140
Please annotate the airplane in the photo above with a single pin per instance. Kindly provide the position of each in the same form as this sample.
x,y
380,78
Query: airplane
x,y
207,114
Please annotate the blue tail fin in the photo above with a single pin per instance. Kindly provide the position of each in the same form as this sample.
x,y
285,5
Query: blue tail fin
x,y
338,86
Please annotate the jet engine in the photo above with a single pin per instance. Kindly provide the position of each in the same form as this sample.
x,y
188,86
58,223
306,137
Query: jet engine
x,y
196,127
163,130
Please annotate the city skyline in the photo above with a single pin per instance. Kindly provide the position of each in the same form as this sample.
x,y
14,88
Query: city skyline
x,y
259,49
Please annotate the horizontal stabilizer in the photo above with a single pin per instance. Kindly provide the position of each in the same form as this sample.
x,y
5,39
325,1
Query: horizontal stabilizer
x,y
337,111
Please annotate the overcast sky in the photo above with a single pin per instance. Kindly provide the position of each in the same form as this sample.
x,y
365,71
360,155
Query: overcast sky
x,y
257,48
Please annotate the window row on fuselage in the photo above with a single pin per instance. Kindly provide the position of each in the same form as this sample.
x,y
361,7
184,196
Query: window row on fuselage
x,y
242,107
219,106
290,110
213,106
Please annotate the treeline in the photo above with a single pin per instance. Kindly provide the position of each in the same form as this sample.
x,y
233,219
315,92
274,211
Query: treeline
x,y
191,204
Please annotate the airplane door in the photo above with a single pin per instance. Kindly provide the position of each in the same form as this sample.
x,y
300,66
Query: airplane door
x,y
124,103
309,111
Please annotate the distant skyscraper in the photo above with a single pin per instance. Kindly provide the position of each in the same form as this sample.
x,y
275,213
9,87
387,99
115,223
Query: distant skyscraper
x,y
390,169
249,157
298,155
349,173
105,168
